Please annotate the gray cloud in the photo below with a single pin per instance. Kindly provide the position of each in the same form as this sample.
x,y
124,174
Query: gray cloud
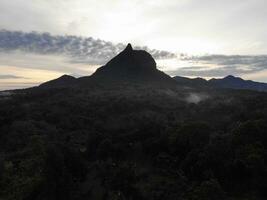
x,y
79,49
222,65
259,60
7,76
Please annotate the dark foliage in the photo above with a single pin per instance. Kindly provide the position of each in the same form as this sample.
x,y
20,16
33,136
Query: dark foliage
x,y
133,143
130,132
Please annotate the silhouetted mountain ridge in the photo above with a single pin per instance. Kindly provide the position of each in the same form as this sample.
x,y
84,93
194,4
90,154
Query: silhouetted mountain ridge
x,y
229,81
62,81
129,66
133,67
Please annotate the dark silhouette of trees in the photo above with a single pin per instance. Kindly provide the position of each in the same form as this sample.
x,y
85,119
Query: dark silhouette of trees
x,y
133,143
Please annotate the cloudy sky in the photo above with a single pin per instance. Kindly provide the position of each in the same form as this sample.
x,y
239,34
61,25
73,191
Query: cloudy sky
x,y
43,39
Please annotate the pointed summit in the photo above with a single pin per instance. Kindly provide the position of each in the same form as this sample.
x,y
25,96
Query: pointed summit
x,y
128,47
131,66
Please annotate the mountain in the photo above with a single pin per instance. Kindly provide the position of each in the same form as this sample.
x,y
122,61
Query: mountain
x,y
133,67
77,140
130,67
237,83
230,82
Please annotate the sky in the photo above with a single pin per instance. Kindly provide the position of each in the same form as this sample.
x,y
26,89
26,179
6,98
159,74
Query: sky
x,y
43,39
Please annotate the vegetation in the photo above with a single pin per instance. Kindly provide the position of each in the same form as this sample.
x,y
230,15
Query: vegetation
x,y
133,143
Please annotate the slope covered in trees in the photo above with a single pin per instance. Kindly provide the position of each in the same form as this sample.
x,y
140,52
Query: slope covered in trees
x,y
143,137
133,143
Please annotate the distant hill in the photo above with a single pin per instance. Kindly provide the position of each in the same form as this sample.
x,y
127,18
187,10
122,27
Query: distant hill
x,y
62,81
230,82
191,82
238,83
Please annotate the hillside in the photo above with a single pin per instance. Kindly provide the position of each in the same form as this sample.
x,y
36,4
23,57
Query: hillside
x,y
136,135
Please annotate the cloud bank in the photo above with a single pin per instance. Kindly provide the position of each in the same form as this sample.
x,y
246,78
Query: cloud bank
x,y
78,49
221,65
94,52
31,58
7,76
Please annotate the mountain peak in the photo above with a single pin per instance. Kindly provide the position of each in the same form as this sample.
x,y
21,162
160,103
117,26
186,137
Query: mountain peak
x,y
128,67
234,82
128,47
127,63
131,65
232,78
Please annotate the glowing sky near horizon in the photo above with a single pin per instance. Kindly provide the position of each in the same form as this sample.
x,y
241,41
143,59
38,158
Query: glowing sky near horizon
x,y
192,27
